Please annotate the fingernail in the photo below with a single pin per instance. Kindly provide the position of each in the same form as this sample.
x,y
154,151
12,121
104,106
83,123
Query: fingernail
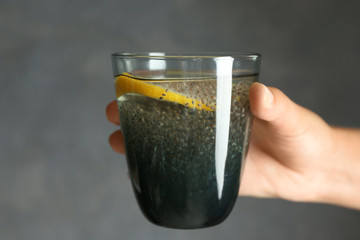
x,y
269,97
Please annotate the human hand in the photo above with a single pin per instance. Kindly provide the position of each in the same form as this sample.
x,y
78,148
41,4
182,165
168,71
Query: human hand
x,y
289,149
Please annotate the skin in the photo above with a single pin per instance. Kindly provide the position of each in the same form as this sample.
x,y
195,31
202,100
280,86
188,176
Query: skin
x,y
294,154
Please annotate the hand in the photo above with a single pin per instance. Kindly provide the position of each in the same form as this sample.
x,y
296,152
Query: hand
x,y
289,149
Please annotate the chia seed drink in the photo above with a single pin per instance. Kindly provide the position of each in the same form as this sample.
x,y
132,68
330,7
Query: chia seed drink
x,y
172,150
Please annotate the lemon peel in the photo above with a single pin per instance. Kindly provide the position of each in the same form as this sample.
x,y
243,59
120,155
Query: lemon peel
x,y
125,83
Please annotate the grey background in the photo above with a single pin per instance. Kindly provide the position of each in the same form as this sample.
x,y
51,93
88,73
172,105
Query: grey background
x,y
59,179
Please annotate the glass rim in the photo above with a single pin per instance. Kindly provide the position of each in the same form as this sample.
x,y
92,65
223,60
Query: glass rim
x,y
188,55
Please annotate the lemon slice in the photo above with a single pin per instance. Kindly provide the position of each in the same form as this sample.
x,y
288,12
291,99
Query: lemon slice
x,y
125,83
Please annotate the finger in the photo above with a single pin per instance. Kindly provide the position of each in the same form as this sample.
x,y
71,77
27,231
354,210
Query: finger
x,y
116,141
278,111
112,113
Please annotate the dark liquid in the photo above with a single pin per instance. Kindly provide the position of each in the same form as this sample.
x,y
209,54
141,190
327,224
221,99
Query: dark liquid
x,y
171,157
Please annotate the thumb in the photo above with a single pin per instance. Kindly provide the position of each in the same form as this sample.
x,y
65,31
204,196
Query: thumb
x,y
277,111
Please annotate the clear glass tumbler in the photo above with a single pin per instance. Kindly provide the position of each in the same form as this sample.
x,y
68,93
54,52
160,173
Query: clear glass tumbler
x,y
186,123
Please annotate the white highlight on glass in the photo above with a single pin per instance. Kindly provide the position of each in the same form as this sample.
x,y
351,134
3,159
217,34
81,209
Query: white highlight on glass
x,y
223,107
157,64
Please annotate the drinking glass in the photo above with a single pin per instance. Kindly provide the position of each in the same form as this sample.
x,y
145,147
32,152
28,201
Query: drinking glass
x,y
186,123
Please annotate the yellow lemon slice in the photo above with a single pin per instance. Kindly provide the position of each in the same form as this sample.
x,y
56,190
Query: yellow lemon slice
x,y
127,84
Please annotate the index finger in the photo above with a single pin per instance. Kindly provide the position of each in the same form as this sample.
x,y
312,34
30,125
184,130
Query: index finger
x,y
112,113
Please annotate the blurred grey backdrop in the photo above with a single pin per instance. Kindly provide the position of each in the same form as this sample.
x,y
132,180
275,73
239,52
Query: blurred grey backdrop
x,y
59,179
